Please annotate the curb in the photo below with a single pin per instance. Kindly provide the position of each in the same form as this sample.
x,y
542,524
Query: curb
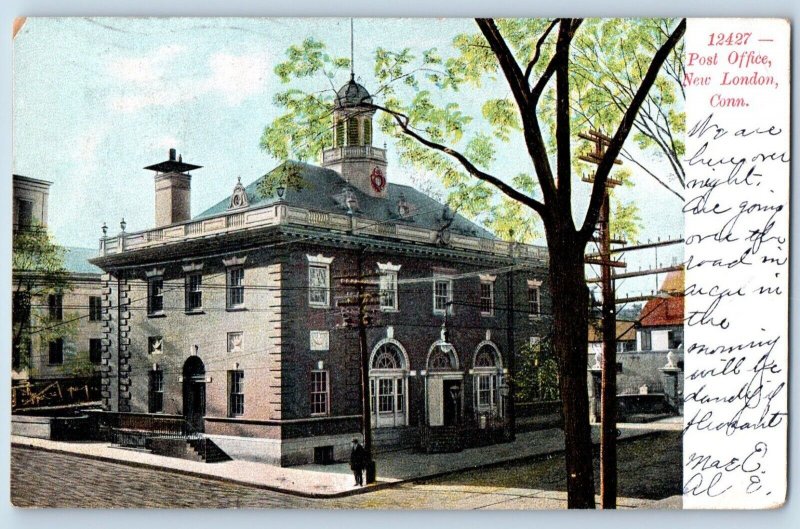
x,y
317,495
201,475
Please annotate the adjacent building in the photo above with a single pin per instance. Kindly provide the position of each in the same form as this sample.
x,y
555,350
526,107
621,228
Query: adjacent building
x,y
233,319
56,327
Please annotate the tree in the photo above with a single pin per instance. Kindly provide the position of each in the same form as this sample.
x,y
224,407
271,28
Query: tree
x,y
536,372
38,272
423,106
609,63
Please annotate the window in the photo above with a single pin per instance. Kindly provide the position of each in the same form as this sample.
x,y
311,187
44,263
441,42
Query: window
x,y
386,395
235,288
388,288
320,393
155,295
367,131
400,398
318,285
488,375
647,342
235,342
534,301
340,133
352,131
24,213
95,309
21,308
155,345
55,307
194,291
95,350
675,338
487,298
235,393
442,296
487,389
156,391
56,352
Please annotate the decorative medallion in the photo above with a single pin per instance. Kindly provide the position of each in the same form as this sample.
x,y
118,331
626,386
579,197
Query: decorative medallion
x,y
319,340
239,196
377,179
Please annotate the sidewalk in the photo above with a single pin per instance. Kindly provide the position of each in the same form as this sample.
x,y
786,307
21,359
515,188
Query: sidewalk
x,y
337,480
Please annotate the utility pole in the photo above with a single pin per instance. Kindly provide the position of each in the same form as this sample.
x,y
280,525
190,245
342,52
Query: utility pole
x,y
608,383
362,302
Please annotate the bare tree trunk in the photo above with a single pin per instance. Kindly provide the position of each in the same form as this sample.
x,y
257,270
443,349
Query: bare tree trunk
x,y
570,304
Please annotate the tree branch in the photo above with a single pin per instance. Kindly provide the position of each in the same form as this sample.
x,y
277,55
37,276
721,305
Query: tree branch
x,y
563,157
403,122
526,104
624,128
538,52
625,154
511,70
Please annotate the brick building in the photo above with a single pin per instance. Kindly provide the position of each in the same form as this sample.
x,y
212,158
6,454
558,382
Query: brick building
x,y
229,319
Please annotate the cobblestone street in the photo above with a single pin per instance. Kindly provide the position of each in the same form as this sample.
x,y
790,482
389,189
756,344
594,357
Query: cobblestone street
x,y
49,479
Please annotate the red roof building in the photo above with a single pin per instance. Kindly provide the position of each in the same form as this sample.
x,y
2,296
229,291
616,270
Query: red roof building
x,y
666,311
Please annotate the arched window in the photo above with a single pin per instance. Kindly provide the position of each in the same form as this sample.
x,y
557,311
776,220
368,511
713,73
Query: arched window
x,y
440,361
388,385
487,379
485,357
388,356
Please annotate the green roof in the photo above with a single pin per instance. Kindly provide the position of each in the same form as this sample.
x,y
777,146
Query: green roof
x,y
76,260
322,191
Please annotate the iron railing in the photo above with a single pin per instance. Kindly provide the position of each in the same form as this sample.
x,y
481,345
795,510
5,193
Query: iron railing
x,y
135,430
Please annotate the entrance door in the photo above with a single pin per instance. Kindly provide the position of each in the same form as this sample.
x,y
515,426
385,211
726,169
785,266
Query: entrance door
x,y
388,401
194,392
451,398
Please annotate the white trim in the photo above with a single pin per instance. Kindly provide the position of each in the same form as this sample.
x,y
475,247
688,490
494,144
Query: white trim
x,y
490,282
319,259
498,357
393,342
154,272
450,286
535,285
192,267
320,264
389,267
487,278
393,276
234,261
453,353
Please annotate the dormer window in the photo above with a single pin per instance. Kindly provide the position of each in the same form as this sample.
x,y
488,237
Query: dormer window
x,y
238,197
403,207
350,200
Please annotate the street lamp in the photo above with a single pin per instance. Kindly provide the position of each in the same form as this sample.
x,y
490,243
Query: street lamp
x,y
504,390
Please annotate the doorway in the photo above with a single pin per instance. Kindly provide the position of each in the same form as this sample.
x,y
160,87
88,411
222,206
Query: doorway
x,y
451,399
194,392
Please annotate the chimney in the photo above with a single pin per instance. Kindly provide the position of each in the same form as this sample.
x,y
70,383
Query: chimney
x,y
173,186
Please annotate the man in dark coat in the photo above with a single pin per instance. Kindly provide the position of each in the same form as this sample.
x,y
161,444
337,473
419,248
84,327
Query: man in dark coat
x,y
357,456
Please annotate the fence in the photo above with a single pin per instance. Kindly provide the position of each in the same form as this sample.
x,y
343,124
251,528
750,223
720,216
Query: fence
x,y
27,395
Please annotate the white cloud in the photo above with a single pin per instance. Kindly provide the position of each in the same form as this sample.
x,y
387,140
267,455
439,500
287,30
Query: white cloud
x,y
85,154
145,69
237,77
153,80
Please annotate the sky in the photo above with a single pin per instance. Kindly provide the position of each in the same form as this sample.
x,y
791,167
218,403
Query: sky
x,y
97,99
